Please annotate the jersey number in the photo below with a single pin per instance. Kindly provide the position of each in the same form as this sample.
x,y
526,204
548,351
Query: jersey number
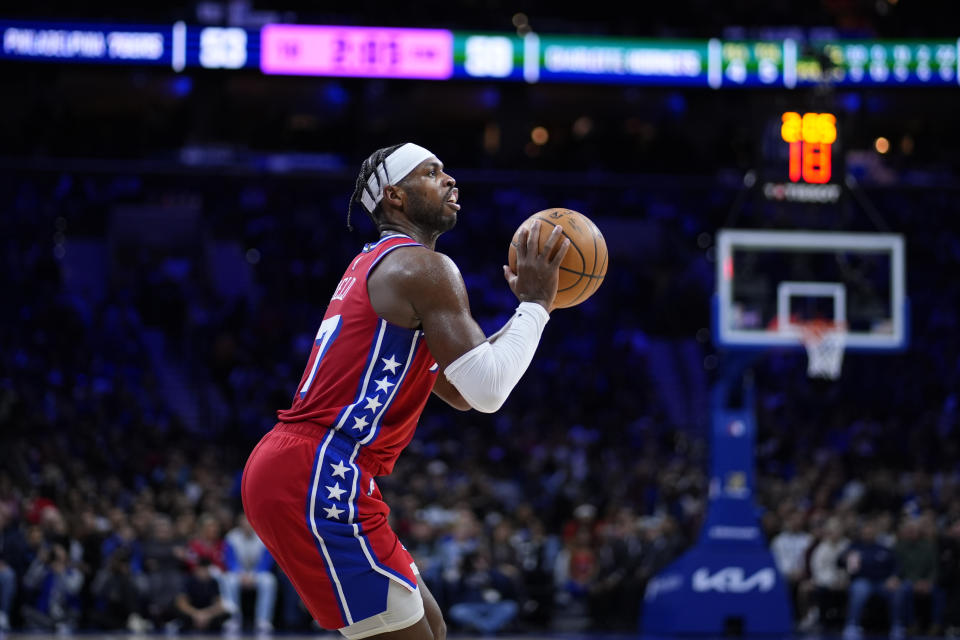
x,y
328,330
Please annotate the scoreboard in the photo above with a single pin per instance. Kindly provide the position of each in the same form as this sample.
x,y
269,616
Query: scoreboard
x,y
885,63
177,45
440,54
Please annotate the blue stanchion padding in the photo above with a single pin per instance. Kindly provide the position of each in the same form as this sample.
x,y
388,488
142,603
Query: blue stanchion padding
x,y
726,583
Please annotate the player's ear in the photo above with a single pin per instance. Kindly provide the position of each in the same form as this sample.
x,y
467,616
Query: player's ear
x,y
393,195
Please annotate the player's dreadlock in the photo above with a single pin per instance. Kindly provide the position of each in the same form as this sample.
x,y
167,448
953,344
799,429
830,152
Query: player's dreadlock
x,y
369,167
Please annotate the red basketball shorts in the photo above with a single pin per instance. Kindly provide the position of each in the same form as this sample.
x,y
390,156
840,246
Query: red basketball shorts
x,y
323,519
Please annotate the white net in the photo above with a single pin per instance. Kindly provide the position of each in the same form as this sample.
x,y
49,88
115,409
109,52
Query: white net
x,y
825,343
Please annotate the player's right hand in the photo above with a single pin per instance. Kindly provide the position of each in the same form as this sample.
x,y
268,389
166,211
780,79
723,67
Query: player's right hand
x,y
537,272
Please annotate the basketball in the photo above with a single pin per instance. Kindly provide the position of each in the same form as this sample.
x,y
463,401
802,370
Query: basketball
x,y
585,264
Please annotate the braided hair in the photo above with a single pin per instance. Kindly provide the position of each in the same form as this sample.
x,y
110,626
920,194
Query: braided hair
x,y
368,168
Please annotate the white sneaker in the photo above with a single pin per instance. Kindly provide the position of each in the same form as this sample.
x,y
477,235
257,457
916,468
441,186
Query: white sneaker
x,y
851,632
810,621
138,624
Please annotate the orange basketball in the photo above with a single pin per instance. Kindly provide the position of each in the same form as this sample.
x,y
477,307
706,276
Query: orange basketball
x,y
585,264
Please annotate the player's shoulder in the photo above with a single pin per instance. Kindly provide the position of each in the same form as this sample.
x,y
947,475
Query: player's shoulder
x,y
418,263
414,272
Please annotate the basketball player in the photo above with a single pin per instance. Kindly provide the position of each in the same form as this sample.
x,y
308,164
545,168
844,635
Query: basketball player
x,y
397,327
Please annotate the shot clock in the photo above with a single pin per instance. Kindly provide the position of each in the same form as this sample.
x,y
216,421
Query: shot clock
x,y
799,161
810,137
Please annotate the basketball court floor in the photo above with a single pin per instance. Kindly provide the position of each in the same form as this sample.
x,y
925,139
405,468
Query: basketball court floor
x,y
454,636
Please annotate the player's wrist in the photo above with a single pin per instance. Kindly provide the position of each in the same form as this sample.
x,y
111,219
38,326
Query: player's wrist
x,y
534,300
535,305
538,310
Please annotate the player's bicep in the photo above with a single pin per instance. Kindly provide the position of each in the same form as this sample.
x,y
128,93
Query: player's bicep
x,y
439,299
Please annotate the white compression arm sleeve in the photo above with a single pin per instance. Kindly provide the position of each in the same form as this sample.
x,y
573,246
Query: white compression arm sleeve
x,y
487,374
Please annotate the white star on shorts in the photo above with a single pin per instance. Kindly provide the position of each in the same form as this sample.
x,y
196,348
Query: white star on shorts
x,y
383,384
333,513
335,491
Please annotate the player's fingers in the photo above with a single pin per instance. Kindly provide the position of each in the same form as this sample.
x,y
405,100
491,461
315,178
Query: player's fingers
x,y
552,241
561,252
509,276
521,245
533,238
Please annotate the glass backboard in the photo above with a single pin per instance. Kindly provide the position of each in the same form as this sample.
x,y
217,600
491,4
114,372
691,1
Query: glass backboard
x,y
769,283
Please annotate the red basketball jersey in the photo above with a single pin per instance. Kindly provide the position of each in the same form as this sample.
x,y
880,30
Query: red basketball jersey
x,y
366,378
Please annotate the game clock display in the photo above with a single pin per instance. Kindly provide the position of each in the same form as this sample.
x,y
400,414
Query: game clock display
x,y
356,51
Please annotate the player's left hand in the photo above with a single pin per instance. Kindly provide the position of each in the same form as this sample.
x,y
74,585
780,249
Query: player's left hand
x,y
537,271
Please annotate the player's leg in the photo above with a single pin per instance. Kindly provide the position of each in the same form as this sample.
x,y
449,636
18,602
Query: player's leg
x,y
432,612
429,624
420,630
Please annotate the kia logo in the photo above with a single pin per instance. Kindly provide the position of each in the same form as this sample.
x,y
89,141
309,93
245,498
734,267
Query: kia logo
x,y
733,580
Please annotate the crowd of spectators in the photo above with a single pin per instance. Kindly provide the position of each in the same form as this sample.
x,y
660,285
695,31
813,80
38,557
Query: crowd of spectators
x,y
116,512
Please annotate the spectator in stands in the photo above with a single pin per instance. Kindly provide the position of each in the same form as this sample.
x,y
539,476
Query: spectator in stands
x,y
917,567
503,554
617,594
116,598
8,589
829,579
207,544
664,543
88,534
464,538
422,542
249,566
185,526
789,549
13,563
575,570
948,563
872,567
163,562
536,553
123,537
484,599
199,604
53,585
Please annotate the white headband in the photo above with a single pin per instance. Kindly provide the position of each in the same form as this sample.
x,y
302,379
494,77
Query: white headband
x,y
392,170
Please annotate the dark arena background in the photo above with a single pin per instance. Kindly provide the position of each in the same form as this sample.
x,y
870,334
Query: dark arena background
x,y
687,455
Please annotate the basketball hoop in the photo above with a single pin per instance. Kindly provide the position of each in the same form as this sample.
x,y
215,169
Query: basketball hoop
x,y
825,342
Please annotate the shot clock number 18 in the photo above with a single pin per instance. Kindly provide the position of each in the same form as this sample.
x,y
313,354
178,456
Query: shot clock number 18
x,y
810,137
